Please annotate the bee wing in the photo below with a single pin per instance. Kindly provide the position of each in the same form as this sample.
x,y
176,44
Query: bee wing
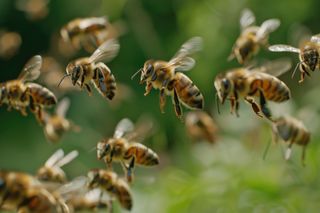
x,y
267,27
106,51
143,128
123,127
54,158
76,185
276,67
181,60
283,48
315,38
31,70
63,107
67,159
247,19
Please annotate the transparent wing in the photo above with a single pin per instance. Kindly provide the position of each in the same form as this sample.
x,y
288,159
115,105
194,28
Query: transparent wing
x,y
106,51
143,128
54,158
315,38
276,67
283,48
181,60
63,107
123,127
31,70
75,185
247,19
67,159
267,27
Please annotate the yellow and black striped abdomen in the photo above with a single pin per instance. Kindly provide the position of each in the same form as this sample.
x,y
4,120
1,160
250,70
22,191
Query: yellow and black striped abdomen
x,y
121,191
188,93
41,95
143,155
104,81
273,88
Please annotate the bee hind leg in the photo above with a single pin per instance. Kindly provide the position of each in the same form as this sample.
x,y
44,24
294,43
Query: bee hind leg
x,y
176,103
288,151
263,104
89,90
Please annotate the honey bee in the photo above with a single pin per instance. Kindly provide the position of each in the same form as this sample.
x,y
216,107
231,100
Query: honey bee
x,y
248,83
88,32
51,171
22,192
252,38
21,93
84,71
291,131
121,148
309,55
200,126
10,43
56,125
92,200
109,181
166,77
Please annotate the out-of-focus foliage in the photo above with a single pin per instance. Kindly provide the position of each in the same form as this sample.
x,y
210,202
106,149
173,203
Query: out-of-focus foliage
x,y
230,176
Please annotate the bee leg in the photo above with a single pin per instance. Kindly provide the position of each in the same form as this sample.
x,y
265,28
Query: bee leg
x,y
263,104
254,106
162,100
176,104
88,88
23,111
148,89
303,155
236,99
289,150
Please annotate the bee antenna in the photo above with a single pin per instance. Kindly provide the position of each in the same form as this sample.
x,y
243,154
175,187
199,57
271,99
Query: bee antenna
x,y
136,73
66,75
295,69
217,103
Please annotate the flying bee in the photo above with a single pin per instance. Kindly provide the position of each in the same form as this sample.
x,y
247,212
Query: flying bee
x,y
88,70
23,193
121,148
309,55
51,171
200,126
248,83
109,181
166,77
88,32
252,38
56,125
21,93
292,131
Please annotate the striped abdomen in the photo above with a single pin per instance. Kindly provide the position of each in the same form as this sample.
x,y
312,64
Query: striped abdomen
x,y
143,155
121,191
41,95
273,88
104,81
292,130
187,92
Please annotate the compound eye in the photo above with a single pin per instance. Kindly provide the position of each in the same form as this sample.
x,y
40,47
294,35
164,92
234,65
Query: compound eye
x,y
149,69
2,184
226,84
107,147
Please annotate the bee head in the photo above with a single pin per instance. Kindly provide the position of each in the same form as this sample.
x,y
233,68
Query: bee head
x,y
223,86
103,149
147,71
93,178
310,58
75,71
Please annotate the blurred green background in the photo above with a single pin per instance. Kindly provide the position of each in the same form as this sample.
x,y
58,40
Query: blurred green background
x,y
230,176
